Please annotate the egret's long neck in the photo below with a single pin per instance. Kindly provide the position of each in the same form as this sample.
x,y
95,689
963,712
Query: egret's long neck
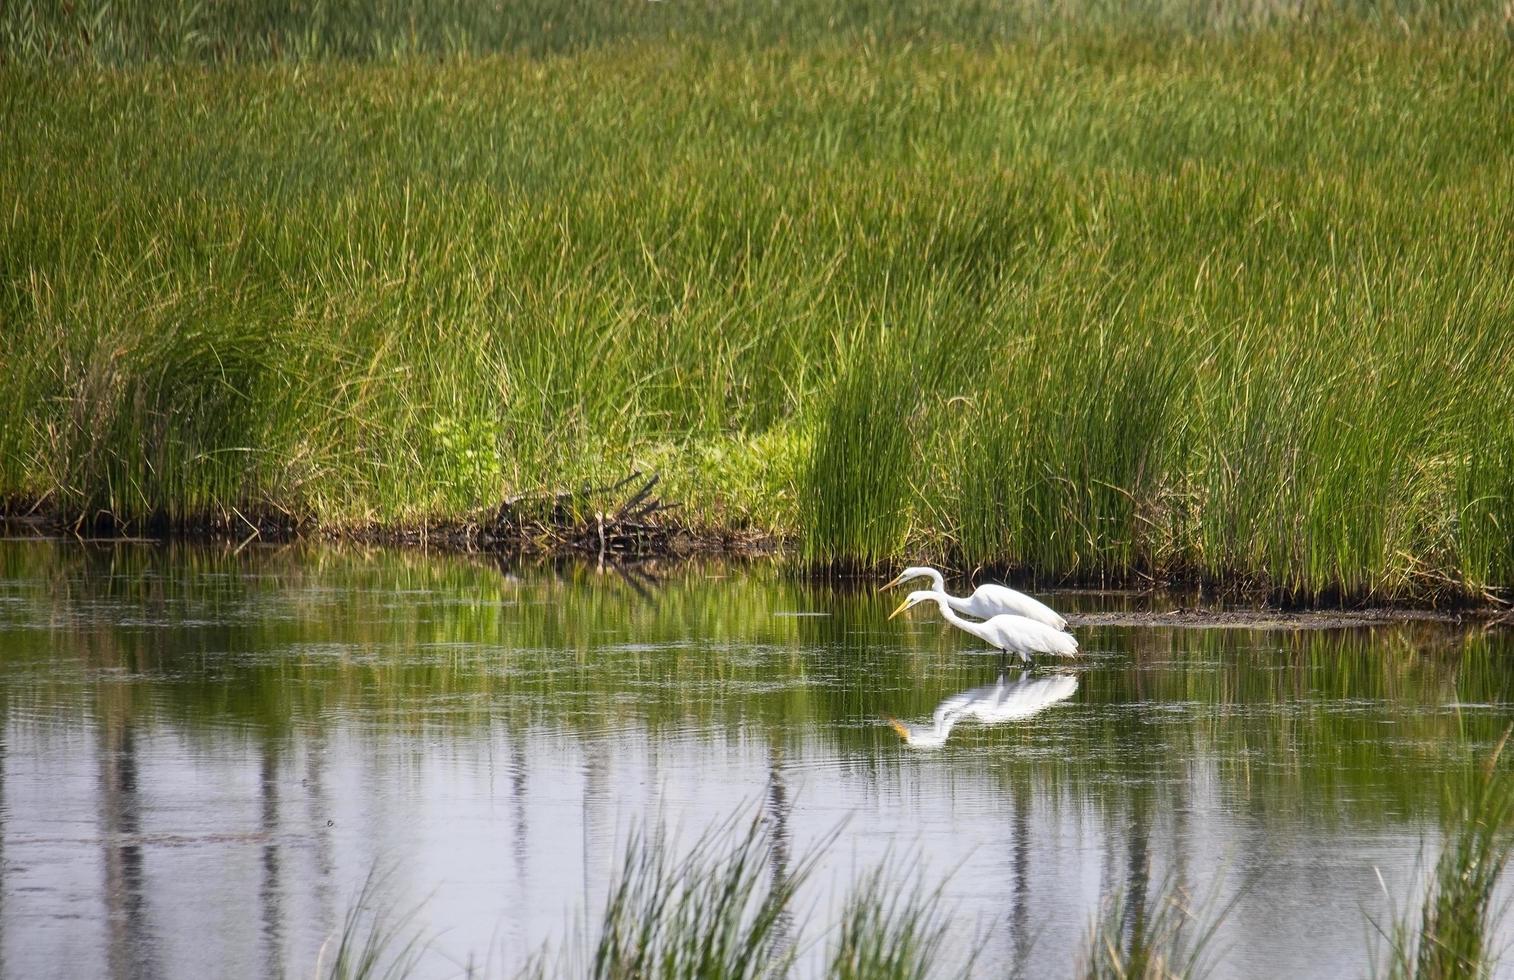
x,y
967,626
959,603
934,735
938,584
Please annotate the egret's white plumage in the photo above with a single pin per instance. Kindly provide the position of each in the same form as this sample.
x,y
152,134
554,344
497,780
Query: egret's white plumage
x,y
991,704
987,601
1012,634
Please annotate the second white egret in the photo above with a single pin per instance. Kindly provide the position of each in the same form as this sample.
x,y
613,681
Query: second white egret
x,y
987,601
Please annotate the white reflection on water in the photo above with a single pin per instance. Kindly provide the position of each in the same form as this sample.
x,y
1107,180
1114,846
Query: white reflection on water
x,y
992,704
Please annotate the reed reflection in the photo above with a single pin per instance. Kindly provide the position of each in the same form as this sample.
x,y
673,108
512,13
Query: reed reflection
x,y
1003,701
286,715
131,949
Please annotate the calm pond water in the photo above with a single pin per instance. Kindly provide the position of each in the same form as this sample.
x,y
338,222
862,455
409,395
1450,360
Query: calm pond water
x,y
206,752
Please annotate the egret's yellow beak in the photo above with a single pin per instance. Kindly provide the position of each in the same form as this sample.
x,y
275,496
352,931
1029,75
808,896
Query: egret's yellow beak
x,y
898,727
890,585
902,606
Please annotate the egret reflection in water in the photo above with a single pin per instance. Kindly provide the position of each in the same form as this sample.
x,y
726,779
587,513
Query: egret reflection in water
x,y
992,704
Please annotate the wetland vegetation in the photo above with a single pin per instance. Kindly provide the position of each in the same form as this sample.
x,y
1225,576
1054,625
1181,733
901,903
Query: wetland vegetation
x,y
1090,291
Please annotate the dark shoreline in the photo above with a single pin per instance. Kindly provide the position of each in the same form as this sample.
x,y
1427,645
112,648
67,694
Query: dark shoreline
x,y
1199,603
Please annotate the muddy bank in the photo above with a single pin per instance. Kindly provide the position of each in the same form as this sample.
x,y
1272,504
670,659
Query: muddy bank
x,y
1278,619
640,529
624,521
670,541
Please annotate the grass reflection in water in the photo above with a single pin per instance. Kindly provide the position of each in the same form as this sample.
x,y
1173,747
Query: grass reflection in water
x,y
271,654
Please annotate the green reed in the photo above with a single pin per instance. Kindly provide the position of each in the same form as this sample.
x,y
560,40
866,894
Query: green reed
x,y
376,941
1457,915
131,31
727,907
889,931
719,909
717,912
1222,296
1169,940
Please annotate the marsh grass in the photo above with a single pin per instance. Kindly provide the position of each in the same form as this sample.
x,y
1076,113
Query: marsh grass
x,y
726,907
132,31
716,912
1104,291
1170,938
1456,919
377,941
722,908
889,932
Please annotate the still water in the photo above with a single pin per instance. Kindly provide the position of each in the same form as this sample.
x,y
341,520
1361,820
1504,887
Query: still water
x,y
204,753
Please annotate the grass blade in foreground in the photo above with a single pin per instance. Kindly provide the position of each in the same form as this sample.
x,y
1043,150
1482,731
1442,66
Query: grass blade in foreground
x,y
888,932
376,943
720,912
1457,916
1170,941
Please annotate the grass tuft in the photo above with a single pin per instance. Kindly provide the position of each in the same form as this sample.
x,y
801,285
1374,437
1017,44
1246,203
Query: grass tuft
x,y
1169,940
1457,916
717,912
375,943
888,932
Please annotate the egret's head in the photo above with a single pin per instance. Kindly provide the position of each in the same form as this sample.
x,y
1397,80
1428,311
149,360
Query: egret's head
x,y
914,572
920,736
914,599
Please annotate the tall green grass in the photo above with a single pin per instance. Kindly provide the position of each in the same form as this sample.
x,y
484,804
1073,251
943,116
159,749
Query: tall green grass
x,y
717,912
1455,934
728,907
132,31
1172,939
375,941
892,931
1094,292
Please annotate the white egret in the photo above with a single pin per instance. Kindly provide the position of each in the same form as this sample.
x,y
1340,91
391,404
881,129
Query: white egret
x,y
987,601
991,704
1012,634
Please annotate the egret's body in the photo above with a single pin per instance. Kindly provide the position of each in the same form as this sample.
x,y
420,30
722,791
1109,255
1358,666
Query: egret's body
x,y
991,704
987,601
1012,634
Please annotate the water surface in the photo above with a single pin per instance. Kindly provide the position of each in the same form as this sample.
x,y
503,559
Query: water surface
x,y
205,752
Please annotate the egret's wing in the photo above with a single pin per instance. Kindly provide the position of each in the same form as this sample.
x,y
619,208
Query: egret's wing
x,y
1024,698
1022,633
999,599
954,706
